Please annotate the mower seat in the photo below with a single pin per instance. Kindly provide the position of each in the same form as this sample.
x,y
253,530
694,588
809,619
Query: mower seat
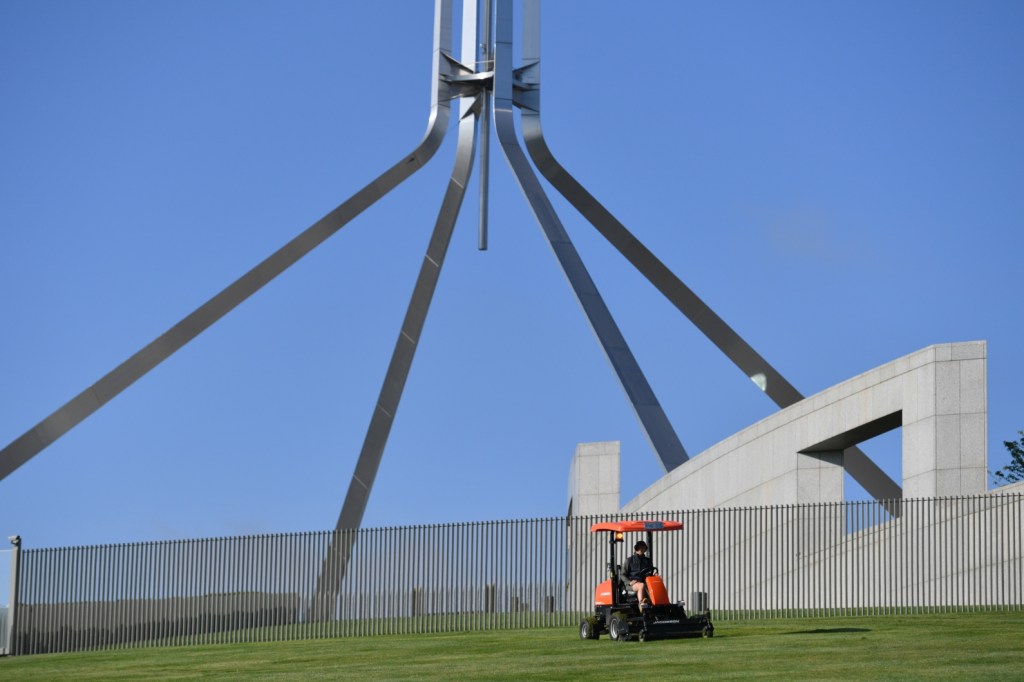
x,y
628,595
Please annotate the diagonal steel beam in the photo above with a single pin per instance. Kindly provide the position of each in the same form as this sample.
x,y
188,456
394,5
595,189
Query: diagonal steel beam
x,y
655,424
750,362
340,547
419,304
43,434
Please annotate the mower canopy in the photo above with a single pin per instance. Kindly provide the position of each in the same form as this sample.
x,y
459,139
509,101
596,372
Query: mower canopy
x,y
634,526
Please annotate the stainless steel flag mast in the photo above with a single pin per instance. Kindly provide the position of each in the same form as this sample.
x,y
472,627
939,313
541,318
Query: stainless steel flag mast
x,y
490,88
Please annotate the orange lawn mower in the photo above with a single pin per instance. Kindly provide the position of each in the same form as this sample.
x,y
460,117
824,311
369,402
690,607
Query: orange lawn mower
x,y
617,609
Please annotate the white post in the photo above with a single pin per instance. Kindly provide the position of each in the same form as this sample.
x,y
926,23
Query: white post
x,y
12,608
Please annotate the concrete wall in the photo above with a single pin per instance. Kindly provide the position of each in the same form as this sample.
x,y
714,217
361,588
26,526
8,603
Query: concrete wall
x,y
937,395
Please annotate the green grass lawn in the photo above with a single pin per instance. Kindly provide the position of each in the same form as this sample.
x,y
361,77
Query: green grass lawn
x,y
945,646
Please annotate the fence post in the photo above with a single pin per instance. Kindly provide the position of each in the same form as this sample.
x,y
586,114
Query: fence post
x,y
12,608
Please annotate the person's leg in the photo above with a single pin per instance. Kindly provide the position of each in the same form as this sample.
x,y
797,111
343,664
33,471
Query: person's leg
x,y
640,588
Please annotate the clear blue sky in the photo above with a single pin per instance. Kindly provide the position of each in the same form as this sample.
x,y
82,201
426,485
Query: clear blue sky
x,y
840,181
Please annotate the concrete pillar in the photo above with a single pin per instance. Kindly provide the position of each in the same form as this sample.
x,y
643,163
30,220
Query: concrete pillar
x,y
945,424
594,479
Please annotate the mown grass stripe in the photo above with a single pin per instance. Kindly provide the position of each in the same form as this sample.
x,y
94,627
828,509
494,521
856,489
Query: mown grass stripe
x,y
983,645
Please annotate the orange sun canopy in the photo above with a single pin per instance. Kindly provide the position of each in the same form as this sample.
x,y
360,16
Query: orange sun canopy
x,y
631,526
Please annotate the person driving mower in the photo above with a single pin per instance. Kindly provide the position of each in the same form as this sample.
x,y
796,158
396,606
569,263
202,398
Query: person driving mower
x,y
637,568
633,602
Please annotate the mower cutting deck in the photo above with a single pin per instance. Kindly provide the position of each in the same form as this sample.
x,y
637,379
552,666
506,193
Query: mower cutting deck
x,y
616,608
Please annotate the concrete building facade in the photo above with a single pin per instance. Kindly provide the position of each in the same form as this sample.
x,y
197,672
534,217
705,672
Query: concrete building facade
x,y
937,395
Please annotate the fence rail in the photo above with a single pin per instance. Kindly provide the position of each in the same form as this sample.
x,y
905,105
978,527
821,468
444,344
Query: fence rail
x,y
762,562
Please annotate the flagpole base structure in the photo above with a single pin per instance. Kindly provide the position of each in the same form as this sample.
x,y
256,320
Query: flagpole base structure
x,y
490,88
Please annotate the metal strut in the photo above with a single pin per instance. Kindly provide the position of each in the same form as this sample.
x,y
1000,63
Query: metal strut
x,y
416,314
43,434
875,481
655,424
467,83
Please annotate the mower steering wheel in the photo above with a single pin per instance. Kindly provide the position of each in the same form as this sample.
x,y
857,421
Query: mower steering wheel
x,y
653,570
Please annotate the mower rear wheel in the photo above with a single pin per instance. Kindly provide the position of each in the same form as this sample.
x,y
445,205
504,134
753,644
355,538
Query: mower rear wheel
x,y
587,630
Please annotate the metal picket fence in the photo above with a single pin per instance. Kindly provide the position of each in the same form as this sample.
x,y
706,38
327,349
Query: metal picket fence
x,y
760,562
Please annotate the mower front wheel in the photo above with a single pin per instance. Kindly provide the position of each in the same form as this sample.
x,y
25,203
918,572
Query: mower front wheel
x,y
618,630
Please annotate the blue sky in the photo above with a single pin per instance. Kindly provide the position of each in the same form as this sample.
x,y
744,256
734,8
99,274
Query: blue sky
x,y
841,182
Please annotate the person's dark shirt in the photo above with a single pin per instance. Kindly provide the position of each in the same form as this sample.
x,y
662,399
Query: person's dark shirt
x,y
636,565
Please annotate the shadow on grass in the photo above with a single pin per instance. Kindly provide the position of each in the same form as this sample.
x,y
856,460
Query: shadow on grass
x,y
827,631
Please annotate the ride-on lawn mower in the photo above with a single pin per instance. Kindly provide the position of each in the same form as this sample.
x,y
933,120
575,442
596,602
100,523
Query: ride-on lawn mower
x,y
617,610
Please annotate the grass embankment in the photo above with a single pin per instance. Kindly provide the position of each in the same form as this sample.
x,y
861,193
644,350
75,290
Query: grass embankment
x,y
945,646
